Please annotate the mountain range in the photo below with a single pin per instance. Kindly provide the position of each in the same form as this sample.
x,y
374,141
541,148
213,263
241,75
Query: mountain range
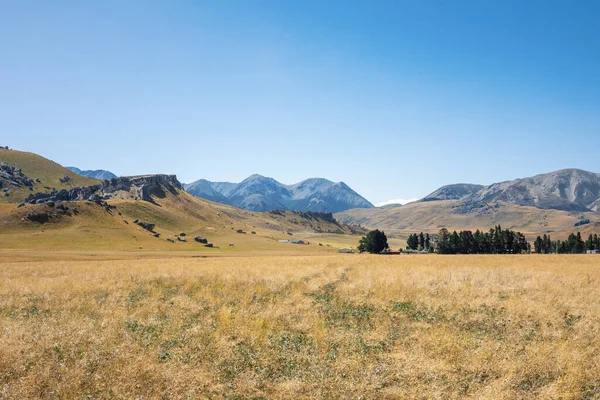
x,y
260,193
96,174
566,190
557,201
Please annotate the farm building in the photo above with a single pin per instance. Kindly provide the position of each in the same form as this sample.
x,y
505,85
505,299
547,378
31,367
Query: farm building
x,y
345,250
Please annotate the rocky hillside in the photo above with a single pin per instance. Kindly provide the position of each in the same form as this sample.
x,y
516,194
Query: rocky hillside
x,y
23,173
96,174
144,187
259,193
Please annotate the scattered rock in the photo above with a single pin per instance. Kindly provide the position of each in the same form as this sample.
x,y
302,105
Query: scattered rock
x,y
156,234
241,231
170,240
209,245
182,234
182,239
253,233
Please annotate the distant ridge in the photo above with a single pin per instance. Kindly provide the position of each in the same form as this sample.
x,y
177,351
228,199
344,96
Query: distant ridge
x,y
96,174
453,192
260,193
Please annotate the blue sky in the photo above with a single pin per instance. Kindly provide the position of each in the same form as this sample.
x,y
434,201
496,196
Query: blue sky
x,y
395,98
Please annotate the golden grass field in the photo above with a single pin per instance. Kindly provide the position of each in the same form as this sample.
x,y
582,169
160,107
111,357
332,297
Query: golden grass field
x,y
158,325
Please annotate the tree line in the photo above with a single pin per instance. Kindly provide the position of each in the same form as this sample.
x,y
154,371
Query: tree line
x,y
495,241
573,245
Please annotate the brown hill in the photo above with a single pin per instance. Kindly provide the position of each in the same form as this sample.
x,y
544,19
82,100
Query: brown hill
x,y
23,173
455,214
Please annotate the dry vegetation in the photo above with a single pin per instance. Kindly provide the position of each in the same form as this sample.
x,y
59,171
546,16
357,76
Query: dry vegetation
x,y
305,327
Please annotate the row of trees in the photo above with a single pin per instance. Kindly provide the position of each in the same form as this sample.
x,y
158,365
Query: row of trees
x,y
496,241
573,245
419,242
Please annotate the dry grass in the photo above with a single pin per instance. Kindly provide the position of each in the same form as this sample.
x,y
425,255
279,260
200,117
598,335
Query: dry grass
x,y
343,326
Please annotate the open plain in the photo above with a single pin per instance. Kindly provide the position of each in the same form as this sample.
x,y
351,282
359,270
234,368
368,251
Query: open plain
x,y
169,325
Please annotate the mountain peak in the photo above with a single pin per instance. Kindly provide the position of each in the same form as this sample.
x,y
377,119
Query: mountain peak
x,y
260,193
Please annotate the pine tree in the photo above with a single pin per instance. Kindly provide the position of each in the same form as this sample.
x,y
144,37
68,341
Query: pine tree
x,y
373,242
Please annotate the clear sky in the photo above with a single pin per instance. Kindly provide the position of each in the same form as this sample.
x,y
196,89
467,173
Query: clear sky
x,y
395,98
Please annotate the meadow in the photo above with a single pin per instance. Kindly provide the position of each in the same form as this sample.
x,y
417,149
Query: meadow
x,y
306,326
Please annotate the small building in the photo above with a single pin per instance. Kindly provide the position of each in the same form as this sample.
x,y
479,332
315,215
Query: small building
x,y
297,241
284,241
345,250
593,252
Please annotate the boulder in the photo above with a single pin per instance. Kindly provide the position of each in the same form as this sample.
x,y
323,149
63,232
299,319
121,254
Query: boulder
x,y
200,239
182,234
146,225
209,245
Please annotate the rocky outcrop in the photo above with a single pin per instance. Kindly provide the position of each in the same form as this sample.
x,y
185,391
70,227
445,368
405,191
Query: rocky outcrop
x,y
142,187
13,176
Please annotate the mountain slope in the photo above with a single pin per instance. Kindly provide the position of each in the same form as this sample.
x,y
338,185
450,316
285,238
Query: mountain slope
x,y
431,216
259,193
23,173
96,174
203,189
567,189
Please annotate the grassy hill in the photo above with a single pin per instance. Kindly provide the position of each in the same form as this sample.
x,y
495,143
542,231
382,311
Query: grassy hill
x,y
94,227
44,173
433,215
86,225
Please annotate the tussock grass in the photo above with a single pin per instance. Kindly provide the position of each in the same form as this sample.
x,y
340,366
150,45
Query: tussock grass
x,y
303,327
